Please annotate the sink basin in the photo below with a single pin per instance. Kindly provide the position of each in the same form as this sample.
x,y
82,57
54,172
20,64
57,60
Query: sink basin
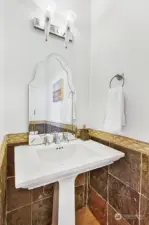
x,y
62,153
40,165
57,154
37,166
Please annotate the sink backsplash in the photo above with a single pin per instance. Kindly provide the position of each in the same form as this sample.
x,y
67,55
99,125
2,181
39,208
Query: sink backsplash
x,y
103,190
47,127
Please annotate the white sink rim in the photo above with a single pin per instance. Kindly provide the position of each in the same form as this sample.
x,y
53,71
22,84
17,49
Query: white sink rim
x,y
47,178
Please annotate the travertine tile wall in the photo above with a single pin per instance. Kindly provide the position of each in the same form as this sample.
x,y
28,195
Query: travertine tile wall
x,y
3,165
119,193
120,188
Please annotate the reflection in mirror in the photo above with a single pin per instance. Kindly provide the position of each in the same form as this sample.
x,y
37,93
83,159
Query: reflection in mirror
x,y
52,102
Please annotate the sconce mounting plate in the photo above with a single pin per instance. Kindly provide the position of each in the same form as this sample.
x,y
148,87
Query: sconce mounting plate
x,y
55,30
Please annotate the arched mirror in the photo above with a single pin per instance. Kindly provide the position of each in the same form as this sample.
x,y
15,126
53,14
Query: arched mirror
x,y
52,99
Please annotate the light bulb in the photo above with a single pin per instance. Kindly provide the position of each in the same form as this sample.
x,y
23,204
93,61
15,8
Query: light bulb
x,y
70,18
52,6
49,13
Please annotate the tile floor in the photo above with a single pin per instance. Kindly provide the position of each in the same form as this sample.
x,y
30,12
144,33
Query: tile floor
x,y
85,217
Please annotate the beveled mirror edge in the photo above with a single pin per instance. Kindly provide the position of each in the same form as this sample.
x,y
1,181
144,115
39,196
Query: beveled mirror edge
x,y
62,126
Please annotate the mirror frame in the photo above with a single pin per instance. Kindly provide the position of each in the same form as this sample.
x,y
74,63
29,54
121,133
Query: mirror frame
x,y
65,67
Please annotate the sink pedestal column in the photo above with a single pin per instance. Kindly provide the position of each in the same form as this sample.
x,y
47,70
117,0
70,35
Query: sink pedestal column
x,y
66,208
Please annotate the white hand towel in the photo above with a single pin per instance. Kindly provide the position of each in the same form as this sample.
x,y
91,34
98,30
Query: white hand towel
x,y
115,115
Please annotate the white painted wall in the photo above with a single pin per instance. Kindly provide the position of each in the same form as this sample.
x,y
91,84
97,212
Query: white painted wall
x,y
1,71
120,43
26,46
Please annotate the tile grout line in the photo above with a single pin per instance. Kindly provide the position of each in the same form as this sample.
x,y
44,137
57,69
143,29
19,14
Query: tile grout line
x,y
97,193
79,185
127,185
29,204
108,204
10,177
87,190
119,213
17,208
137,216
144,196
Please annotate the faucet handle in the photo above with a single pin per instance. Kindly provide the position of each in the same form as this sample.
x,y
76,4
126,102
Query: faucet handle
x,y
54,136
65,137
45,139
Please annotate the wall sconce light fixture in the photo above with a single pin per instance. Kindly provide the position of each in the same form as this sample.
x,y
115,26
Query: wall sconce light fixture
x,y
66,31
48,17
70,19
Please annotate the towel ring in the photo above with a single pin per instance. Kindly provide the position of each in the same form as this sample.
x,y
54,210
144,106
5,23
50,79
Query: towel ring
x,y
118,77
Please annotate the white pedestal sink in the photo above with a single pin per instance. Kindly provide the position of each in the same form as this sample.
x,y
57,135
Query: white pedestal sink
x,y
66,211
41,165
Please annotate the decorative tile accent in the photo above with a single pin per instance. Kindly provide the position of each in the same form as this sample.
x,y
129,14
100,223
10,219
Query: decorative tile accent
x,y
132,144
145,175
37,122
3,166
41,193
129,143
114,218
17,138
42,212
16,198
98,207
20,216
124,200
128,169
99,140
10,161
144,214
41,125
79,197
3,148
99,181
78,132
103,136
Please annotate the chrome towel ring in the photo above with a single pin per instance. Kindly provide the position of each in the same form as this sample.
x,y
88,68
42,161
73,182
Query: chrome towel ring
x,y
118,77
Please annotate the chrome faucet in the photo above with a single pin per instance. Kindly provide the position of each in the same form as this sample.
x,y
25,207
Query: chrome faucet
x,y
65,137
46,140
56,138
